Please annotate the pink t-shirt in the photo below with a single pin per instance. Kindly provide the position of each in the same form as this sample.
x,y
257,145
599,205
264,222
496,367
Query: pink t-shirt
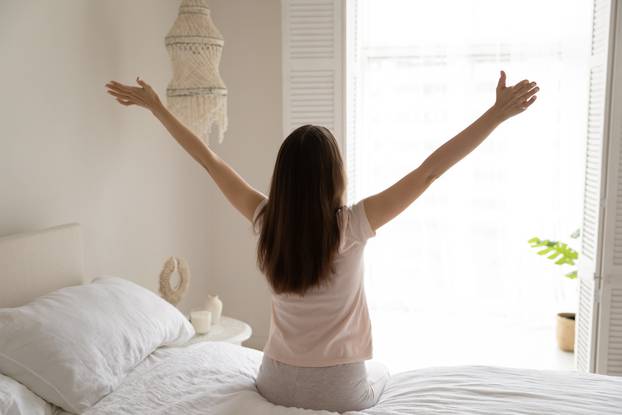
x,y
329,325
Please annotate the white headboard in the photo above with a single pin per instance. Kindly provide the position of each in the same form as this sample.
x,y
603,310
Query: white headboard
x,y
35,263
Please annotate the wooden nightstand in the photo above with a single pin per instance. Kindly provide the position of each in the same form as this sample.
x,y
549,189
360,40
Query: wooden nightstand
x,y
229,330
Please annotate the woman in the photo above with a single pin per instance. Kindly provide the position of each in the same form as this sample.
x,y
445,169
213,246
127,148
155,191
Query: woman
x,y
311,246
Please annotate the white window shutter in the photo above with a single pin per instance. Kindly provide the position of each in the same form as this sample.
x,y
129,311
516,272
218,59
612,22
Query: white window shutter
x,y
609,330
314,65
353,96
591,245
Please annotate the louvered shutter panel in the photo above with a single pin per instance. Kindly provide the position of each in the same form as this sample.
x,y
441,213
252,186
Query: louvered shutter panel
x,y
609,332
591,245
353,96
313,65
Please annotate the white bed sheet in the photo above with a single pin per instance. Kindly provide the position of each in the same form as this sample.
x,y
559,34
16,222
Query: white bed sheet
x,y
219,378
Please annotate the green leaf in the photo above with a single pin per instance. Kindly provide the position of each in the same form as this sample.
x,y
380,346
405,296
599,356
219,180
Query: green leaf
x,y
557,251
561,261
572,275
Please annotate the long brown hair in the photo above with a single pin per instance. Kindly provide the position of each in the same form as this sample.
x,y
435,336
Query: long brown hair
x,y
299,231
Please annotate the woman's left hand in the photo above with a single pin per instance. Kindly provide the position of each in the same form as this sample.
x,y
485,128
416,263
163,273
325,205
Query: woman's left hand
x,y
142,95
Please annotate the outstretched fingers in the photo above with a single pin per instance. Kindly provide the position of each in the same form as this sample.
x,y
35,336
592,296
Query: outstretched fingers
x,y
527,103
125,94
524,94
527,94
124,89
115,86
142,94
126,97
521,87
515,98
119,94
119,86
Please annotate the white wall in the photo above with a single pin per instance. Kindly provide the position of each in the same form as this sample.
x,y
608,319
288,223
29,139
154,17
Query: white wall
x,y
251,68
70,153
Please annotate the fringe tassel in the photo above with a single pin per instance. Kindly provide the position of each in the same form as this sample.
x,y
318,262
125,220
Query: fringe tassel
x,y
201,113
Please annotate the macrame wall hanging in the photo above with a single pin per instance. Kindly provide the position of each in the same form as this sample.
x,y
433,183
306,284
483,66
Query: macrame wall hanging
x,y
196,94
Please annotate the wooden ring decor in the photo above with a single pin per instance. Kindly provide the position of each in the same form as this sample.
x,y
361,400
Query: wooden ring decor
x,y
174,294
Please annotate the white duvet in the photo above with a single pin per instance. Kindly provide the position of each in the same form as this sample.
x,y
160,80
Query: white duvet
x,y
219,379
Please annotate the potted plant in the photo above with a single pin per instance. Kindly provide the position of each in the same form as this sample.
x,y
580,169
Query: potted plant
x,y
561,254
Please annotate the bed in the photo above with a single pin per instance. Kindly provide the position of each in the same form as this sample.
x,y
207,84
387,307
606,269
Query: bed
x,y
218,378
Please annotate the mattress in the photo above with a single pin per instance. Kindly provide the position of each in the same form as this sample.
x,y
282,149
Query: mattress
x,y
219,378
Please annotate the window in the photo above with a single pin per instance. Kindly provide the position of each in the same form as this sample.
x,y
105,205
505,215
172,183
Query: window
x,y
453,280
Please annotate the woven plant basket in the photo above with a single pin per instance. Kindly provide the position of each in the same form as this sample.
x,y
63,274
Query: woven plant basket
x,y
566,331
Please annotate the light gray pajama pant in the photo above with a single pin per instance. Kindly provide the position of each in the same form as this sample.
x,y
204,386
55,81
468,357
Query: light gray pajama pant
x,y
340,388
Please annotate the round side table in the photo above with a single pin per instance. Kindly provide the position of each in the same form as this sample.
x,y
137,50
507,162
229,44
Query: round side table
x,y
228,330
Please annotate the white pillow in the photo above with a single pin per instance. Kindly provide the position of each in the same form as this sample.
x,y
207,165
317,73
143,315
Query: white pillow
x,y
16,399
73,346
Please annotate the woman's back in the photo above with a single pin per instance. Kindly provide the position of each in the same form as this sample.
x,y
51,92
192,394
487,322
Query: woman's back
x,y
318,343
329,324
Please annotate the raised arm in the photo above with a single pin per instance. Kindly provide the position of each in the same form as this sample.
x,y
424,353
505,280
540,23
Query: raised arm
x,y
386,205
241,195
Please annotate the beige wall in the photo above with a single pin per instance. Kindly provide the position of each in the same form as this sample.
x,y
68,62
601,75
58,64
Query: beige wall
x,y
251,68
71,154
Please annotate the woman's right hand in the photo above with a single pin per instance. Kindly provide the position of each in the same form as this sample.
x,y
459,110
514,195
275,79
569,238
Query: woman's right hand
x,y
514,99
142,95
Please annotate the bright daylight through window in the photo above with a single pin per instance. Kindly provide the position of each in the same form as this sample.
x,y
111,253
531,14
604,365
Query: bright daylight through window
x,y
453,279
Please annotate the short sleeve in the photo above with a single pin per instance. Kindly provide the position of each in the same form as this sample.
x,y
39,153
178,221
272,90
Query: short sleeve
x,y
256,213
359,223
355,227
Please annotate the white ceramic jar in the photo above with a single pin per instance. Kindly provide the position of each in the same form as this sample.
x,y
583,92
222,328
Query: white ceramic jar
x,y
214,305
